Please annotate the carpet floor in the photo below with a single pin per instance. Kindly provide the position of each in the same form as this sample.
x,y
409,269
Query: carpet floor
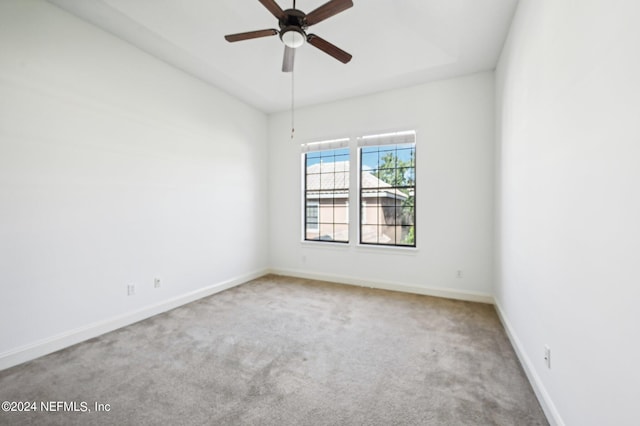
x,y
287,351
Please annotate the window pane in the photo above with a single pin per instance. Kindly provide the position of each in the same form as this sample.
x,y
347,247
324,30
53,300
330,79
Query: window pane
x,y
341,233
405,155
409,202
326,212
386,235
327,181
386,149
394,215
370,214
369,234
341,164
341,180
341,213
368,179
312,234
327,167
406,236
326,231
369,160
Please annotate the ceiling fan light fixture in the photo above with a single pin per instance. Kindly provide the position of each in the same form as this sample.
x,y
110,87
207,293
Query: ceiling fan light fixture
x,y
293,37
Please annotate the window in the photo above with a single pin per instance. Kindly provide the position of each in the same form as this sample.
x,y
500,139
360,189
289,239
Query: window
x,y
386,171
387,189
326,192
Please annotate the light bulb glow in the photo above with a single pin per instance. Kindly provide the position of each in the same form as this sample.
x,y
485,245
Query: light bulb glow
x,y
293,39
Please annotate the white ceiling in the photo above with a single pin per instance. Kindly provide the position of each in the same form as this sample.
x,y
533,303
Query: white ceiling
x,y
394,43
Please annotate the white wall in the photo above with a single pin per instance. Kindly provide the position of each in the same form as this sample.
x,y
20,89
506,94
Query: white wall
x,y
114,169
454,120
568,190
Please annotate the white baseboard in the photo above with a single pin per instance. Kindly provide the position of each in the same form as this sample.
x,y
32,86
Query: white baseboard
x,y
549,408
387,285
80,334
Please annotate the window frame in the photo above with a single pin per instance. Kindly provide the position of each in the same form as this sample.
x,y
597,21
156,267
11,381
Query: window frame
x,y
387,140
325,146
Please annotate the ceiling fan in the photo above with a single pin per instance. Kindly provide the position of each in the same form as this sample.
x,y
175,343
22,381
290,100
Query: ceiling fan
x,y
293,25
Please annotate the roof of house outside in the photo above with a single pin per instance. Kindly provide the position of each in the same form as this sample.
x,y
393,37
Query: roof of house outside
x,y
334,177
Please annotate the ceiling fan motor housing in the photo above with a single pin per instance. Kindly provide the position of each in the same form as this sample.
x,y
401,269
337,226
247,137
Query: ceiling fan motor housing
x,y
292,28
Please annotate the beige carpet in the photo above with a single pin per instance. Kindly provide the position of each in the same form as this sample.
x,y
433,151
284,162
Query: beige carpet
x,y
285,351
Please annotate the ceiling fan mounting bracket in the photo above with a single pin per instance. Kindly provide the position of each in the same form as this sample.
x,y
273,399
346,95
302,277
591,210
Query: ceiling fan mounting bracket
x,y
293,18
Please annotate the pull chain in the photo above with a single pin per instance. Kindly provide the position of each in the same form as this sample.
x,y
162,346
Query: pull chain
x,y
292,105
292,95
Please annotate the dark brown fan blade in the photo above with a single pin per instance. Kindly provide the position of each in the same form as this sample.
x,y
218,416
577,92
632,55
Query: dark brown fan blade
x,y
329,48
327,10
287,61
273,7
249,35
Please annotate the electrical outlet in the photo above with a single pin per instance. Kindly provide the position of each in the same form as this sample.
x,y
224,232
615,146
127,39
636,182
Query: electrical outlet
x,y
459,273
131,289
156,282
547,356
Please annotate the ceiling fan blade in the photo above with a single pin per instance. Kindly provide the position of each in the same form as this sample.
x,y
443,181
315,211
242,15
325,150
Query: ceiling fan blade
x,y
249,35
287,61
329,48
327,10
273,7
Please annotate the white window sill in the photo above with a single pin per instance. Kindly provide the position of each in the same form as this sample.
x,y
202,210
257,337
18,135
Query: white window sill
x,y
363,248
397,250
325,244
